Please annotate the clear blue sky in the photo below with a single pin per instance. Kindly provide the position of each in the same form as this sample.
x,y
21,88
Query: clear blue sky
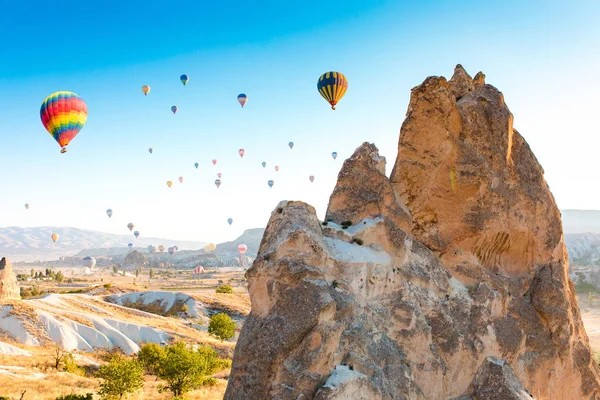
x,y
543,54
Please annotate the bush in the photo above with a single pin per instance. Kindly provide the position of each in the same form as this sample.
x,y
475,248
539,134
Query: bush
x,y
358,241
224,289
120,376
88,396
185,369
71,367
222,326
150,356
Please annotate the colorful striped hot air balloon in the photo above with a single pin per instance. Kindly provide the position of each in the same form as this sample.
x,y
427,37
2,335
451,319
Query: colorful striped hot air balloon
x,y
242,248
146,90
109,212
63,114
184,79
242,98
332,86
218,182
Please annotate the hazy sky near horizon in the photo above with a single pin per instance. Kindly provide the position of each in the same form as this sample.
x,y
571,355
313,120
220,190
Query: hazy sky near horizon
x,y
543,55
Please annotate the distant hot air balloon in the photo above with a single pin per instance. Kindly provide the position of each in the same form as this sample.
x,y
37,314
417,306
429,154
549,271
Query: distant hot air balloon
x,y
276,168
242,248
89,262
218,183
242,98
136,234
54,237
181,179
176,248
196,165
334,155
109,212
311,179
130,226
161,248
264,164
270,183
214,162
241,152
230,221
184,79
169,184
151,249
174,109
199,270
219,175
332,86
146,90
130,245
171,250
291,144
63,114
27,206
209,247
150,150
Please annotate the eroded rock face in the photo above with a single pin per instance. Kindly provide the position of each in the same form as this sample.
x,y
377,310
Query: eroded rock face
x,y
9,287
435,284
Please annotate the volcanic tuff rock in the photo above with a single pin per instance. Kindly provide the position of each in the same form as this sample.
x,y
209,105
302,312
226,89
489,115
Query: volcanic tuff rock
x,y
448,280
9,287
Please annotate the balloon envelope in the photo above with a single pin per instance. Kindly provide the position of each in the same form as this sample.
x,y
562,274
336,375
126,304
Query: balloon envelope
x,y
242,98
184,79
230,221
54,237
332,86
264,164
241,152
150,150
89,262
219,175
27,206
291,144
130,226
311,179
146,90
171,250
214,162
136,234
270,183
130,245
109,213
151,249
209,247
63,114
174,109
169,183
161,248
242,248
276,168
196,165
334,155
181,179
218,183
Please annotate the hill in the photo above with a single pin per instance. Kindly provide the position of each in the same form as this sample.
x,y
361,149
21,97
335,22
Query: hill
x,y
581,221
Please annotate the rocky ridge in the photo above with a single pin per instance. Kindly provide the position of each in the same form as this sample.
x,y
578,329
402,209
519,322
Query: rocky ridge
x,y
447,280
9,287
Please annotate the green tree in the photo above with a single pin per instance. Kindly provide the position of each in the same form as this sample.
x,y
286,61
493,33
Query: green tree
x,y
151,273
222,326
60,277
185,369
150,356
224,289
88,396
115,269
120,376
137,272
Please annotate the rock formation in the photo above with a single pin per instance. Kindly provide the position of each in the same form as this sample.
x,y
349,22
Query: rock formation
x,y
446,281
9,287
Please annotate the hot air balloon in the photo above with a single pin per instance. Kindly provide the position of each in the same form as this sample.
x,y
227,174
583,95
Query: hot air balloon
x,y
242,248
146,90
171,250
109,212
219,175
230,221
151,249
161,248
130,245
89,262
196,165
63,114
54,237
264,164
334,155
218,183
199,270
291,144
27,206
241,152
276,168
136,234
174,109
130,226
181,179
150,150
176,248
214,162
209,247
242,98
311,179
184,79
332,86
270,183
169,184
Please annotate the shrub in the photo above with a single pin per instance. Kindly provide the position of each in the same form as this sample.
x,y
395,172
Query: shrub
x,y
347,223
222,326
358,241
150,356
224,289
88,396
107,285
71,367
120,376
325,223
335,284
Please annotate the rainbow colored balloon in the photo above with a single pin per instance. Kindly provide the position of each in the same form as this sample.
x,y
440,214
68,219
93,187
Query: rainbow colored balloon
x,y
63,114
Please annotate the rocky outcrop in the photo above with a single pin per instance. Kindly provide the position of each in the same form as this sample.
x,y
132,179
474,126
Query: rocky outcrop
x,y
448,280
9,287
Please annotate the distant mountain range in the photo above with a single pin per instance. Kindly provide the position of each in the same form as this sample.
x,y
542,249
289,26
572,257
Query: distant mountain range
x,y
581,221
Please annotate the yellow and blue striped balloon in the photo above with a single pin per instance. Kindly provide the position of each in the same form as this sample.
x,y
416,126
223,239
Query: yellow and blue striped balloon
x,y
63,114
332,86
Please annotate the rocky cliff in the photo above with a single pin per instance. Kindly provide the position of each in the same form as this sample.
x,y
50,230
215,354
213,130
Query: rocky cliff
x,y
9,287
447,280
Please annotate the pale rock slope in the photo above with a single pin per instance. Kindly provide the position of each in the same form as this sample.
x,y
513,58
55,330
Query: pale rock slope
x,y
446,281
